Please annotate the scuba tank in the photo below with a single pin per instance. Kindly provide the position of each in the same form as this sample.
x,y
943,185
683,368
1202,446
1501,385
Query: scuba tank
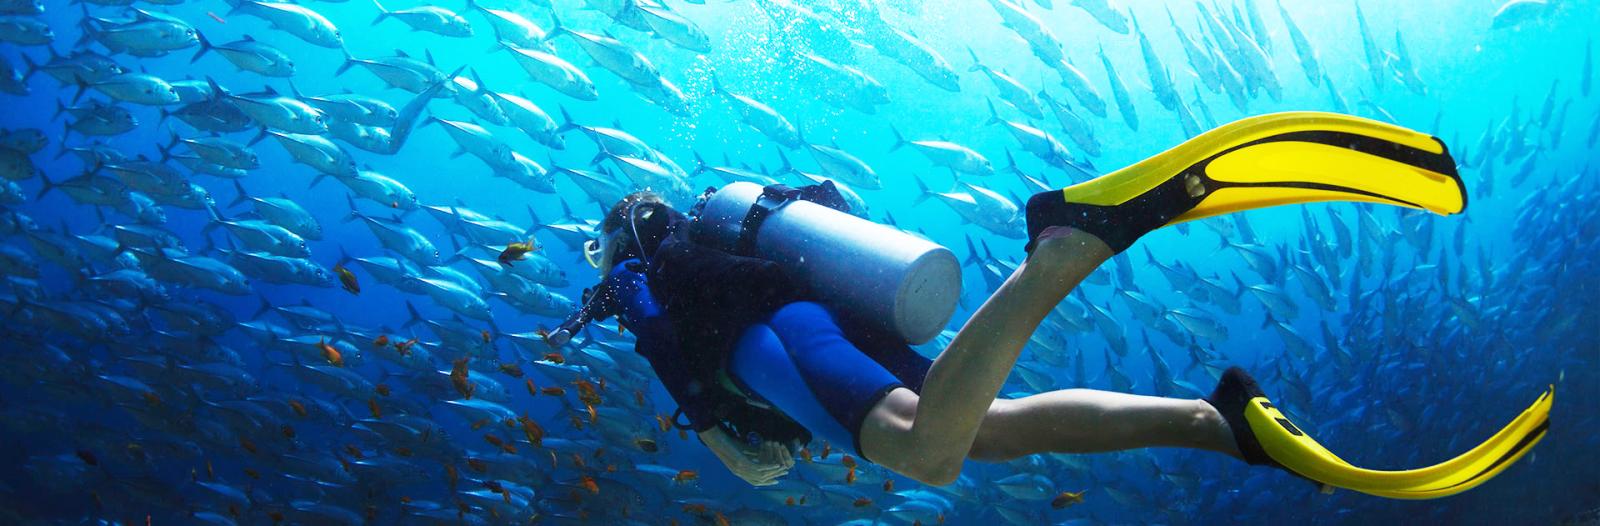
x,y
872,273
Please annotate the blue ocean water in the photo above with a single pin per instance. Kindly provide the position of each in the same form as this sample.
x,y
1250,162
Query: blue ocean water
x,y
127,406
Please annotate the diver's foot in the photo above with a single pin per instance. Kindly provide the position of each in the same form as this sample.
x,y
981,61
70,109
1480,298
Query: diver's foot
x,y
1232,395
1120,225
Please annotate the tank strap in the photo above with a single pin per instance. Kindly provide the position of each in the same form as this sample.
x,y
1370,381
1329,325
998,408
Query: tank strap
x,y
772,198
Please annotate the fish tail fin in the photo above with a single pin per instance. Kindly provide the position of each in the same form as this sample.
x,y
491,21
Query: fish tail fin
x,y
66,132
716,85
240,195
555,26
382,13
355,213
46,187
566,121
1011,164
205,45
977,65
349,60
786,167
29,67
972,253
266,306
699,165
259,136
414,317
994,115
166,150
923,193
61,107
899,140
82,85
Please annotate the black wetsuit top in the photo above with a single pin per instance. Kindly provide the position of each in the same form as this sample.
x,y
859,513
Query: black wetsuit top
x,y
710,296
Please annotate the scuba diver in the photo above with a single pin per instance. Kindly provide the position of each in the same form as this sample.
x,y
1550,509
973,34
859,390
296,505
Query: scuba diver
x,y
770,315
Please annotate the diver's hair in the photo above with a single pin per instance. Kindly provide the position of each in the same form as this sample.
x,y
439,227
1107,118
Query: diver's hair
x,y
618,216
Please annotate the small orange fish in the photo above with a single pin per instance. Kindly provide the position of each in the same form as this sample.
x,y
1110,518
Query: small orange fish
x,y
555,357
252,473
554,390
826,450
576,422
862,502
512,370
493,440
330,354
805,454
458,378
276,516
577,461
695,508
586,392
404,348
532,431
405,500
687,475
888,486
788,501
848,461
211,474
515,252
288,432
721,520
1066,498
484,333
592,415
347,279
494,486
151,398
451,475
402,451
591,485
532,390
381,341
299,408
638,397
383,390
214,16
352,450
850,478
477,464
479,424
663,423
247,445
372,405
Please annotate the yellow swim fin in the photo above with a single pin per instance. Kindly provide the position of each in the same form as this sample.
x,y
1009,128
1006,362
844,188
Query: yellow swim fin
x,y
1257,162
1291,448
1265,436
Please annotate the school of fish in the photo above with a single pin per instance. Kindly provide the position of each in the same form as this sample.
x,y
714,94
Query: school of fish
x,y
223,302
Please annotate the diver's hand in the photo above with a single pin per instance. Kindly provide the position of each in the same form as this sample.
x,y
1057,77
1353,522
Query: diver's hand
x,y
760,465
630,296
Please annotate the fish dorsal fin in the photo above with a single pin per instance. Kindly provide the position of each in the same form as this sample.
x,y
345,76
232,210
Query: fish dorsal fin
x,y
248,38
401,53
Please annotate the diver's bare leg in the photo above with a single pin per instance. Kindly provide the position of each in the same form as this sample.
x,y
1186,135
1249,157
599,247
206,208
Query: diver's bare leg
x,y
929,439
1090,421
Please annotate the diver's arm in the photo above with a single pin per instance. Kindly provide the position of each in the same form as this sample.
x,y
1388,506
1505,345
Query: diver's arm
x,y
760,465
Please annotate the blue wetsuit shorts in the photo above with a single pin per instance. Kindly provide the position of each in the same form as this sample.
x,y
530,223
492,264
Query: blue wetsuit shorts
x,y
823,374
